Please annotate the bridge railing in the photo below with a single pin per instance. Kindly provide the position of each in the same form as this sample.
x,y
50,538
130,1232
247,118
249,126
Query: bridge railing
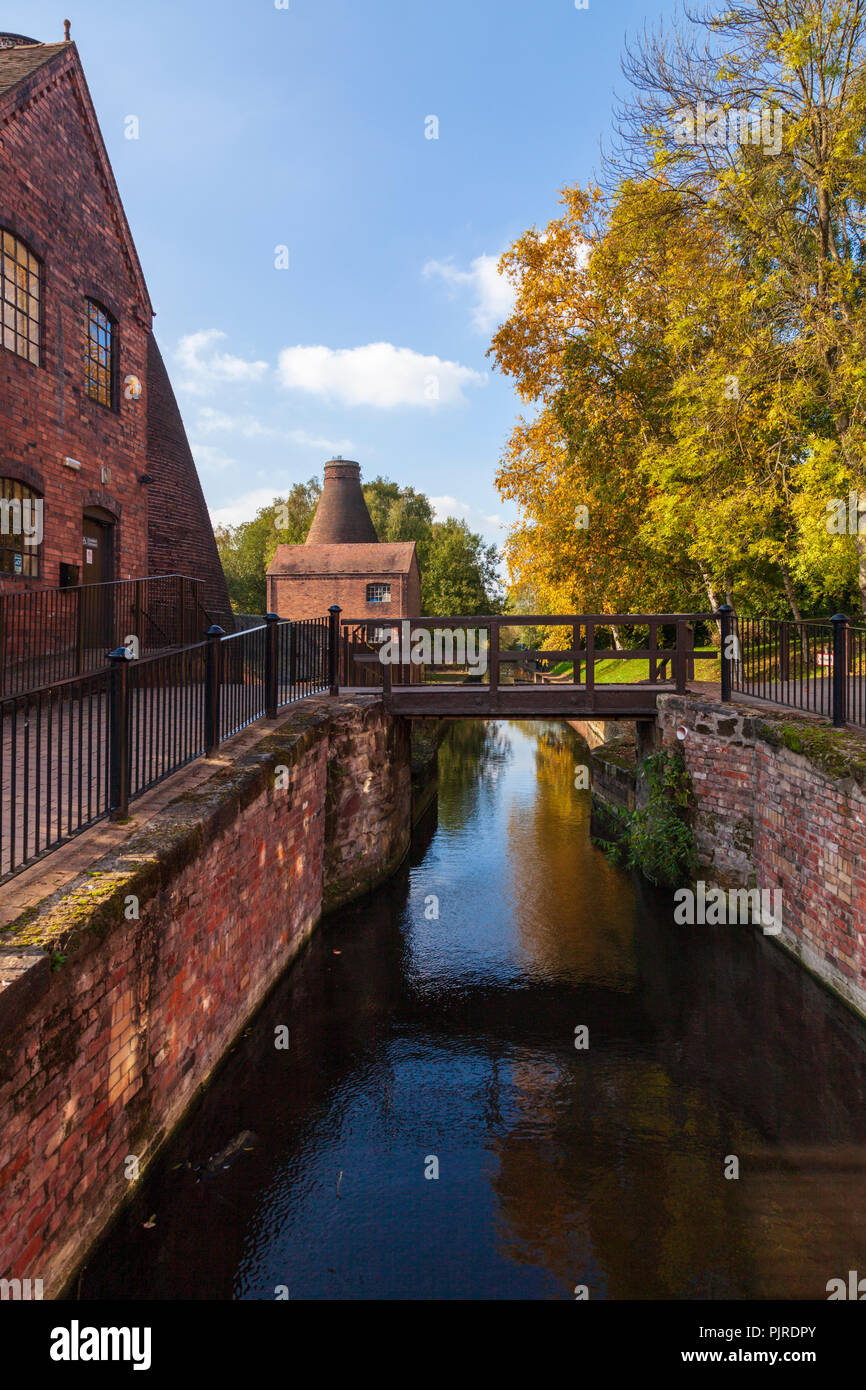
x,y
486,650
818,666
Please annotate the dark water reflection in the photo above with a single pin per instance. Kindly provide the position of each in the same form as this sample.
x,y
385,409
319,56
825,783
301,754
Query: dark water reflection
x,y
454,1037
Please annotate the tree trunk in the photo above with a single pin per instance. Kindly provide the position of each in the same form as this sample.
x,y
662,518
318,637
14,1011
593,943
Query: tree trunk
x,y
860,543
712,595
790,595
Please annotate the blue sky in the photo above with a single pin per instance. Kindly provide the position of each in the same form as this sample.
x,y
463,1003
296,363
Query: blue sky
x,y
304,127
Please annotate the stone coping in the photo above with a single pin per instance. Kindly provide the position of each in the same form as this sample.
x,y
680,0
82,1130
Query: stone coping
x,y
838,753
75,918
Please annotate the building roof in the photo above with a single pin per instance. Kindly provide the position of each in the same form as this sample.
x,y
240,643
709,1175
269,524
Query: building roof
x,y
341,516
308,561
28,69
20,61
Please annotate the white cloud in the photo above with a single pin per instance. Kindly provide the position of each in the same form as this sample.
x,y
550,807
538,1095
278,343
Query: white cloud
x,y
493,294
211,460
244,508
212,421
203,368
444,507
378,374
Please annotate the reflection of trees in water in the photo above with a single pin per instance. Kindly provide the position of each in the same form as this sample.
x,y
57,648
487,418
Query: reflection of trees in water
x,y
573,908
559,751
471,759
602,1170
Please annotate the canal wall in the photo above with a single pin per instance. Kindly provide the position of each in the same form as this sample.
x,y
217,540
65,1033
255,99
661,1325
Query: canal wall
x,y
780,802
121,994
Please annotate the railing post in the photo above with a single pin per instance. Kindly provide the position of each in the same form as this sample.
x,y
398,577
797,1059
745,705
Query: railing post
x,y
590,664
784,653
680,658
724,617
290,673
118,791
386,684
334,648
493,664
840,668
213,677
79,629
271,664
138,620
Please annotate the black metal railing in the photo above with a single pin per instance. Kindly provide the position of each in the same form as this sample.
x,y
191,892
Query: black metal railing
x,y
54,767
815,666
51,635
243,695
166,715
303,656
78,750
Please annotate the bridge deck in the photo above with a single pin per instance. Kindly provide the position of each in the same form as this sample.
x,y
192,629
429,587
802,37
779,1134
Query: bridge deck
x,y
554,701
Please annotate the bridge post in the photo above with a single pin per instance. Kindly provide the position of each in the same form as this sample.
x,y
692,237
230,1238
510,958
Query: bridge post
x,y
272,622
680,657
840,668
386,684
334,648
724,617
212,683
590,664
493,664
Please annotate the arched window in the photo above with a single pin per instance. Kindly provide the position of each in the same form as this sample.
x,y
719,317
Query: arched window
x,y
378,593
20,528
99,359
21,298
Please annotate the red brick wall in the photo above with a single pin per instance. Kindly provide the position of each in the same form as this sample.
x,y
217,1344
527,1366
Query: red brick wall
x,y
181,538
771,818
57,195
101,1057
53,196
296,596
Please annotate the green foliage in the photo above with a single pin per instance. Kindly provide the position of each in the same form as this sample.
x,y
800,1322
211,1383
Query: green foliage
x,y
458,570
657,838
400,514
246,550
460,576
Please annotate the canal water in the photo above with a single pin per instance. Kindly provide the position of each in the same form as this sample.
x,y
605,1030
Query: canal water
x,y
432,1131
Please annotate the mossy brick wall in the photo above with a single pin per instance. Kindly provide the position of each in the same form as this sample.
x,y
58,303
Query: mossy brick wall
x,y
780,803
100,1057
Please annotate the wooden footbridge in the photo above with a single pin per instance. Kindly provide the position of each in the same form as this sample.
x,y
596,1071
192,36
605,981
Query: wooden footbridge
x,y
465,666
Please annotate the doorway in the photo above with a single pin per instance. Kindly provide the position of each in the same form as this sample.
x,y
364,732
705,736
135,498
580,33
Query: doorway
x,y
97,569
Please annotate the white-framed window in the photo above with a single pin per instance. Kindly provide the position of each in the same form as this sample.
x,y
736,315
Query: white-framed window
x,y
20,297
378,593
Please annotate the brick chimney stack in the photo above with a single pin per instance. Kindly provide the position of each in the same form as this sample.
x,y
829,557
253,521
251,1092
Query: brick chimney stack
x,y
341,516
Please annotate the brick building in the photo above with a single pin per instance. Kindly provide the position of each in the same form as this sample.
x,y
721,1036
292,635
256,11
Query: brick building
x,y
91,441
343,562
